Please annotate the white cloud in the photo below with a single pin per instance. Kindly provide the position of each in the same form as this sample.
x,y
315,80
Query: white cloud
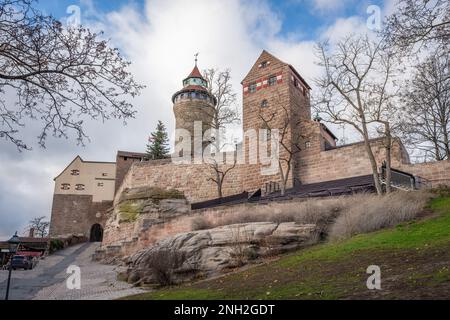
x,y
344,27
328,4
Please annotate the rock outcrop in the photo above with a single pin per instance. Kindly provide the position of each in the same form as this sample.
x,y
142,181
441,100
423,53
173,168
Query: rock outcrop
x,y
210,252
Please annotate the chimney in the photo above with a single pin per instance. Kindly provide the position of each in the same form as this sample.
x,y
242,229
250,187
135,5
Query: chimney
x,y
31,233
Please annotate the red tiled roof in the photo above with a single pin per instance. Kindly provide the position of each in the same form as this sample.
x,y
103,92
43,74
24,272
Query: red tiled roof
x,y
195,73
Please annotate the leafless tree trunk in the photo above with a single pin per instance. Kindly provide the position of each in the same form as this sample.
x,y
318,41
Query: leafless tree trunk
x,y
219,173
40,226
354,89
289,138
225,113
426,104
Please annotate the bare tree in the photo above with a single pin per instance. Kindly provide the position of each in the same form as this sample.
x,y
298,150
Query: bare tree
x,y
40,226
426,102
355,90
288,139
56,75
219,173
418,23
225,112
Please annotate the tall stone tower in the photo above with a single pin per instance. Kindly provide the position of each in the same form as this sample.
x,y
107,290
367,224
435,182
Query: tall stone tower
x,y
193,104
274,90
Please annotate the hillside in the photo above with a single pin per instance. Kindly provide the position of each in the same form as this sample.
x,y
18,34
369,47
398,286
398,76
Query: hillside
x,y
414,258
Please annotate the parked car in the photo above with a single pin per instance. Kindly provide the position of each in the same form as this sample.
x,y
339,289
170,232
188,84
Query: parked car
x,y
22,262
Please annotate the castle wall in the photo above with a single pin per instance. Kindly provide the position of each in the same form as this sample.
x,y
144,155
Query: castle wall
x,y
76,214
124,160
191,179
317,164
437,173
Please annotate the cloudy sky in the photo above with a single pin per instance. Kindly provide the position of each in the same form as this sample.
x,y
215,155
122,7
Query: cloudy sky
x,y
160,37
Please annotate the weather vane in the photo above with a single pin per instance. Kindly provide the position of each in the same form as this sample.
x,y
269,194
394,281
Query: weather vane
x,y
196,58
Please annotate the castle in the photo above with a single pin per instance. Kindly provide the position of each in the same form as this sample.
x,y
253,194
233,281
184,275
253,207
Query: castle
x,y
274,96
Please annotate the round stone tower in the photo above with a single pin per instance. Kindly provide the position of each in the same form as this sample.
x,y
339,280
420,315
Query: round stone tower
x,y
194,104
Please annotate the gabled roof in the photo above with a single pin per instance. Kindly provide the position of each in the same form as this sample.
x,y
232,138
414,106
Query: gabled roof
x,y
79,158
264,56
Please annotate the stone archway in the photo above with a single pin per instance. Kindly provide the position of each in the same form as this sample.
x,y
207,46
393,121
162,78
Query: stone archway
x,y
96,233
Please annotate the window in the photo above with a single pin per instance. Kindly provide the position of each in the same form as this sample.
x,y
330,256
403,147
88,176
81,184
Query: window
x,y
125,158
100,184
252,88
104,174
75,172
79,187
295,82
263,64
272,81
65,186
308,144
264,104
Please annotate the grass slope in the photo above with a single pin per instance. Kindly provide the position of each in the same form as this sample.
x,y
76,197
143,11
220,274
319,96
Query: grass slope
x,y
414,258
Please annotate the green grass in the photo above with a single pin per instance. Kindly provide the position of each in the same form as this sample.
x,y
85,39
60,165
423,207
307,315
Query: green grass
x,y
338,270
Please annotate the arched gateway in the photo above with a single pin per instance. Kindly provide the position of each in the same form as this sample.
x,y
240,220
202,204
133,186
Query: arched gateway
x,y
96,233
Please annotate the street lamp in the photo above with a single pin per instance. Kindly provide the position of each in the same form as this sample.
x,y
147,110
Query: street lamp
x,y
13,244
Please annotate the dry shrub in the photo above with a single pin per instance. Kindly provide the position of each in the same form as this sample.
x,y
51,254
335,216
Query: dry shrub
x,y
339,217
163,264
201,223
370,213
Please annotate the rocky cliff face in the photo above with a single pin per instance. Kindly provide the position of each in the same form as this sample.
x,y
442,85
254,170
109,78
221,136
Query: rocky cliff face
x,y
209,252
135,212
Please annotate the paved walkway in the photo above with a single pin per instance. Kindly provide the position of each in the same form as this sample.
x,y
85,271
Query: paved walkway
x,y
47,281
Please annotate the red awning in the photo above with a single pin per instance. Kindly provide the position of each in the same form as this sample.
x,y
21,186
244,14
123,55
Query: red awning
x,y
29,254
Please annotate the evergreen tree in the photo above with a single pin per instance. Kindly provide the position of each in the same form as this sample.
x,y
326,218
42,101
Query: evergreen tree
x,y
158,143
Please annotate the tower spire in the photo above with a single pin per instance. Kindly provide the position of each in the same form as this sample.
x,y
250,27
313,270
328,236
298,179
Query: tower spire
x,y
196,58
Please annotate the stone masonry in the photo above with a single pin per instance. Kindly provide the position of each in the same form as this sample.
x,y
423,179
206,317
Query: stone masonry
x,y
273,92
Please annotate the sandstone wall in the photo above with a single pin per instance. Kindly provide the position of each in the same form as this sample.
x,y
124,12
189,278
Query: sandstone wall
x,y
317,165
76,214
191,179
437,173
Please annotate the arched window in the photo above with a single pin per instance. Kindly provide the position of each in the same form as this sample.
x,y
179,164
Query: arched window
x,y
264,104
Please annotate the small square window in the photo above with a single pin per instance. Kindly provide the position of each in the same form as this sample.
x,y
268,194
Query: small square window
x,y
263,64
100,184
272,81
264,104
79,187
308,144
65,186
104,174
75,172
252,88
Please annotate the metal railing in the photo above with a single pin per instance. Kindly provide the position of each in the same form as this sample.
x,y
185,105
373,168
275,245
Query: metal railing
x,y
399,179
